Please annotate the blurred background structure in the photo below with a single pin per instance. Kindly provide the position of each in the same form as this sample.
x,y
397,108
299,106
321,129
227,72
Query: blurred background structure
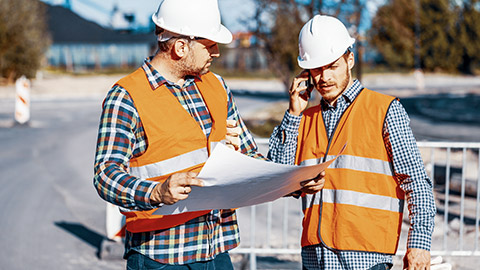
x,y
395,35
73,51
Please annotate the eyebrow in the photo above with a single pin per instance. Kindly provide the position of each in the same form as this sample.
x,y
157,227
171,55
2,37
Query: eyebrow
x,y
330,65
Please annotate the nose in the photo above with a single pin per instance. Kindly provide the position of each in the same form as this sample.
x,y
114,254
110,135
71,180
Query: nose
x,y
323,75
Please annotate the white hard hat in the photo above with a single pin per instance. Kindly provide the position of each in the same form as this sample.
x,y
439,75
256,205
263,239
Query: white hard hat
x,y
322,40
196,18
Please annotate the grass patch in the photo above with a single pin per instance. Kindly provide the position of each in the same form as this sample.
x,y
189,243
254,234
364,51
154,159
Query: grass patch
x,y
261,127
262,122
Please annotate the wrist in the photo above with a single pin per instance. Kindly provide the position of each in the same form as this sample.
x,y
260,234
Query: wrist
x,y
156,195
294,112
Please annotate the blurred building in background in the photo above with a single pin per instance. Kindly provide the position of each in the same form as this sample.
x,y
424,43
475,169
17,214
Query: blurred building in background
x,y
244,54
78,44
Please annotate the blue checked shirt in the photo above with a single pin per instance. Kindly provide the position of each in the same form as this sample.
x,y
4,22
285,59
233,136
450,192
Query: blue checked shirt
x,y
408,168
121,137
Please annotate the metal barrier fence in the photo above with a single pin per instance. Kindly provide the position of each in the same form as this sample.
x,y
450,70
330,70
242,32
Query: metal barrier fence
x,y
274,228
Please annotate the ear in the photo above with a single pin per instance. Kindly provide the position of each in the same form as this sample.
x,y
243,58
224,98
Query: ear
x,y
350,60
180,48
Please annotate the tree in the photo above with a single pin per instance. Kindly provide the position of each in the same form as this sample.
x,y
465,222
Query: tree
x,y
23,38
393,34
278,23
468,30
437,36
448,34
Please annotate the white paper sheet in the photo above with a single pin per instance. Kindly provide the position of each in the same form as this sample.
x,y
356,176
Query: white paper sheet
x,y
233,180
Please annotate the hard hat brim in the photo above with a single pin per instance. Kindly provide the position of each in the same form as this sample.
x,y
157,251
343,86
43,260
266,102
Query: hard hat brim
x,y
223,36
315,64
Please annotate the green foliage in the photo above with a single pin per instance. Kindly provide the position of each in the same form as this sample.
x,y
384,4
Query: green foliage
x,y
469,36
448,34
284,38
392,33
23,37
438,36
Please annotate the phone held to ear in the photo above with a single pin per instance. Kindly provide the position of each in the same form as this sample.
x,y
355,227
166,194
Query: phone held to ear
x,y
309,85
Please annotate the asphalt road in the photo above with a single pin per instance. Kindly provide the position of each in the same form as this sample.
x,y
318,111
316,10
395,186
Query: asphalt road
x,y
52,217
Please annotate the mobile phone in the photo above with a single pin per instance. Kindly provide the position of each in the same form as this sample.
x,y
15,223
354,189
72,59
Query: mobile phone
x,y
310,83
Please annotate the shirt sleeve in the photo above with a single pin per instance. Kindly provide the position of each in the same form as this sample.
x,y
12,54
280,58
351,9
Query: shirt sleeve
x,y
283,141
247,143
119,135
410,172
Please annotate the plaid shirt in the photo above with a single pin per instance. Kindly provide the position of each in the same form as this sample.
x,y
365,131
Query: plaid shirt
x,y
121,137
408,167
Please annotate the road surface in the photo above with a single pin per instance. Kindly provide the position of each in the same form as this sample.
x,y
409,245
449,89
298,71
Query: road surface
x,y
52,217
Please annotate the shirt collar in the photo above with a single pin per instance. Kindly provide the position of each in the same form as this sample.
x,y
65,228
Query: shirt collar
x,y
348,95
156,79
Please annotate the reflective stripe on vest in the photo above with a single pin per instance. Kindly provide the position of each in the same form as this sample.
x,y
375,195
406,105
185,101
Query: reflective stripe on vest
x,y
355,163
355,198
172,165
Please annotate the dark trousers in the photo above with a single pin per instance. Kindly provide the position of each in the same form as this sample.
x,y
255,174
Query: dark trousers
x,y
382,266
137,261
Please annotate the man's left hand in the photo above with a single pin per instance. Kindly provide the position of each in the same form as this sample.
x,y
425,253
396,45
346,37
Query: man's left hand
x,y
233,135
314,185
416,258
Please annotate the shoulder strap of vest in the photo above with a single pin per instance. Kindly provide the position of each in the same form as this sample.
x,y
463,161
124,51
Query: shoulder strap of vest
x,y
379,97
215,96
131,81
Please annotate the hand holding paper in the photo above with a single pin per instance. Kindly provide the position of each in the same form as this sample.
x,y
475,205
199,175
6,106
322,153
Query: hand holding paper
x,y
314,185
233,132
175,188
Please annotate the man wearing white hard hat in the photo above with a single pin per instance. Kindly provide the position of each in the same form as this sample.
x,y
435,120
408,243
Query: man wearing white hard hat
x,y
157,129
355,221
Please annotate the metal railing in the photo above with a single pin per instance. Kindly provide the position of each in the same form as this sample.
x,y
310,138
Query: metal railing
x,y
274,228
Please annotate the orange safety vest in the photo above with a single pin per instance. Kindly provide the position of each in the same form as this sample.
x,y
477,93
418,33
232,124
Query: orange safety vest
x,y
361,205
176,143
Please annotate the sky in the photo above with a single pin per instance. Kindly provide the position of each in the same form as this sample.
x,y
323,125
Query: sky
x,y
232,11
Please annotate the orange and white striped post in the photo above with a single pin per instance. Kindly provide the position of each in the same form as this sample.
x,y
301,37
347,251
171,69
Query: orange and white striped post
x,y
22,100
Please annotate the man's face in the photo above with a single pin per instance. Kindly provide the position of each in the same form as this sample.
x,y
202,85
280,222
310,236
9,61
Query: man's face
x,y
201,55
331,80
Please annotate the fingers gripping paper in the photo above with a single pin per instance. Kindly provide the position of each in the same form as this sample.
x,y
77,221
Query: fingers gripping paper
x,y
233,180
